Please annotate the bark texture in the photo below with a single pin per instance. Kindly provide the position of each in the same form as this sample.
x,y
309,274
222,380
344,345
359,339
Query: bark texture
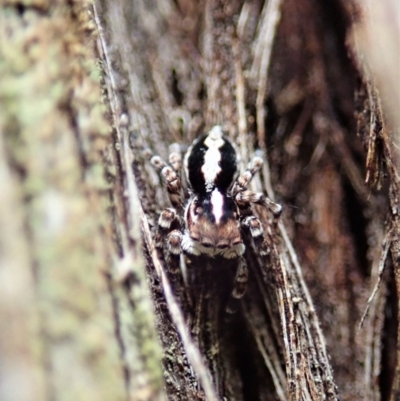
x,y
88,308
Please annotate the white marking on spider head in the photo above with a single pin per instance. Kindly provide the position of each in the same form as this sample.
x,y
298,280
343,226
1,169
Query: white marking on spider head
x,y
217,202
212,156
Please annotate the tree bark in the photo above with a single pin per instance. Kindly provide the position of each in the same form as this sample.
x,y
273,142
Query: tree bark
x,y
88,307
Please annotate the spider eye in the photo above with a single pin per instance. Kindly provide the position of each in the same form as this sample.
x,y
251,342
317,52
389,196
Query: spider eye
x,y
207,244
223,246
235,243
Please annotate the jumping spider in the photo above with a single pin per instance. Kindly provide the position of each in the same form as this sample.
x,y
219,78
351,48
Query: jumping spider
x,y
213,221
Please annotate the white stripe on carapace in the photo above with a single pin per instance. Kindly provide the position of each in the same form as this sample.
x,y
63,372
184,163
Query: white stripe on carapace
x,y
217,202
212,156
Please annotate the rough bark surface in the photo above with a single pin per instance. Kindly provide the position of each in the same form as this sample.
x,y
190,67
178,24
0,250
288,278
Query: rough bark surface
x,y
88,308
57,337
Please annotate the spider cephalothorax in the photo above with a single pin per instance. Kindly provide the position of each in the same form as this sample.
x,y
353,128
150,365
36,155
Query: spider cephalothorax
x,y
219,208
212,226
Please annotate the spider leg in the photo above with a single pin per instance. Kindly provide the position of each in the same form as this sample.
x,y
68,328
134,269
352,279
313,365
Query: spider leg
x,y
174,251
168,219
244,197
168,236
239,286
169,233
175,157
254,225
170,178
243,181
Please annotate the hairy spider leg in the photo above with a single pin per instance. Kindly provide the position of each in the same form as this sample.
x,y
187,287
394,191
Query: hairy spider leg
x,y
169,233
169,230
175,158
174,251
255,227
171,180
244,198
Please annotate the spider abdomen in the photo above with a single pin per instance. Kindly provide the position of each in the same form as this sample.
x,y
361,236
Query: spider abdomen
x,y
211,163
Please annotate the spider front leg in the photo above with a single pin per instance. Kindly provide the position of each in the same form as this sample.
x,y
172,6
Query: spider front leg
x,y
169,231
174,251
244,198
175,157
170,176
239,286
